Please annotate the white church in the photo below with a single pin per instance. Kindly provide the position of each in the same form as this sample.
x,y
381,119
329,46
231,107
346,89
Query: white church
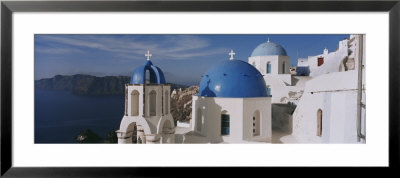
x,y
258,101
147,107
232,104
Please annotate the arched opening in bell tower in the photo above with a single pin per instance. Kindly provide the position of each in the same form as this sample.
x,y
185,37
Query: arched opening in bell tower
x,y
166,102
134,103
153,103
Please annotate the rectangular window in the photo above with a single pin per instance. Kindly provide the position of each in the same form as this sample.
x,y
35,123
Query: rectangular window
x,y
319,123
269,92
320,61
224,124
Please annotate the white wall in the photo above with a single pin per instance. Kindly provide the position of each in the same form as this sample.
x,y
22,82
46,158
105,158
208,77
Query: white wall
x,y
211,109
183,124
332,61
338,102
287,78
302,62
282,93
240,111
276,63
263,105
278,88
275,80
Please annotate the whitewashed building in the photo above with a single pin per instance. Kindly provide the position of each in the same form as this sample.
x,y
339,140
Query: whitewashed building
x,y
232,105
273,63
235,99
147,107
330,102
302,62
332,107
338,61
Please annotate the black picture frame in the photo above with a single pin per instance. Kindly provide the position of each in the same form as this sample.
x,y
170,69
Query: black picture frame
x,y
8,7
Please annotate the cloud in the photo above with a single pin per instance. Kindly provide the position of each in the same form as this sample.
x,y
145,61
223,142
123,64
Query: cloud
x,y
196,54
173,47
57,50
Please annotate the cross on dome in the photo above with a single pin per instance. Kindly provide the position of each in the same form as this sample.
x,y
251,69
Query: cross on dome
x,y
231,54
148,55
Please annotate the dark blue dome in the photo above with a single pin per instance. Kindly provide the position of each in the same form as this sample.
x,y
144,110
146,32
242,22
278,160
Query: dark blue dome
x,y
269,49
233,79
139,74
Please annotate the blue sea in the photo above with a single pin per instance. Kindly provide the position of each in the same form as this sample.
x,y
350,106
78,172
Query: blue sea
x,y
60,116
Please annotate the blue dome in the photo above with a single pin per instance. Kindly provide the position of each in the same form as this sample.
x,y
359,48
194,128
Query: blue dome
x,y
269,49
139,74
233,79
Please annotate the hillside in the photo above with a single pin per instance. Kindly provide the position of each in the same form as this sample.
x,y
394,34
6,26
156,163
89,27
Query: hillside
x,y
80,84
181,103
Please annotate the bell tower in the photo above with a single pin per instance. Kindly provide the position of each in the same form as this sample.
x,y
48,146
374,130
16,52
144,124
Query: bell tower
x,y
147,117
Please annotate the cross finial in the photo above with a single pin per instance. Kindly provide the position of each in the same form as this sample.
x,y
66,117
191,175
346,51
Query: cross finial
x,y
148,55
231,54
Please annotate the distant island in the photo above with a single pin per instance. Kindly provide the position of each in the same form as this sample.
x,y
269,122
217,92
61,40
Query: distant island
x,y
81,84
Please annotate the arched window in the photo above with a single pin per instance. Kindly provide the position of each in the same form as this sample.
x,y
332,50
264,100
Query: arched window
x,y
153,106
134,103
224,123
256,123
147,79
319,122
133,128
167,130
167,127
268,67
199,120
166,102
283,68
269,94
349,64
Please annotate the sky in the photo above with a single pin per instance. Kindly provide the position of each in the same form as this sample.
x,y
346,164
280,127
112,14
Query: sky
x,y
183,58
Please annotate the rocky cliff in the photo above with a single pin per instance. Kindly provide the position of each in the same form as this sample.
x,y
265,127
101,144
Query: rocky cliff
x,y
88,85
181,103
